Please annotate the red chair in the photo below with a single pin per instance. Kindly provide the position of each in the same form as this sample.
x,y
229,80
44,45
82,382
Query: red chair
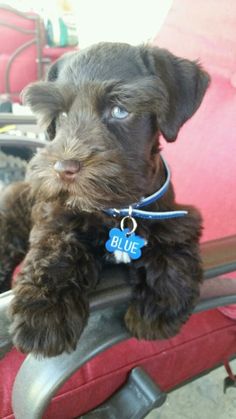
x,y
203,167
23,51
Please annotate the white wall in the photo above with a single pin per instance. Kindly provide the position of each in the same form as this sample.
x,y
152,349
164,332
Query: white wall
x,y
131,21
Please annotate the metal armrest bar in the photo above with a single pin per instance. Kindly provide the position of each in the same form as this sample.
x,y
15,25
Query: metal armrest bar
x,y
20,141
10,118
214,302
219,257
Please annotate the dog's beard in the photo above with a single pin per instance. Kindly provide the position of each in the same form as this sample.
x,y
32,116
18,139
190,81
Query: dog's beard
x,y
101,183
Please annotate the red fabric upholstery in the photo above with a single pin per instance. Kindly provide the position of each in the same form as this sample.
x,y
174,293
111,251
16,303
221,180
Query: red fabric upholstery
x,y
203,160
204,30
27,59
203,157
10,40
203,166
23,68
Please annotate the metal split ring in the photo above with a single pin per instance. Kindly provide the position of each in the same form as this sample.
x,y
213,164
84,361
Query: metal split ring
x,y
134,224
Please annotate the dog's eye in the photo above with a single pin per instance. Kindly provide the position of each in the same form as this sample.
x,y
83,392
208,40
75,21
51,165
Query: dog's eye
x,y
119,113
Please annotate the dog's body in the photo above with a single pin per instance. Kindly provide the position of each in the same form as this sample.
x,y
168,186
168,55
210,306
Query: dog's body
x,y
103,108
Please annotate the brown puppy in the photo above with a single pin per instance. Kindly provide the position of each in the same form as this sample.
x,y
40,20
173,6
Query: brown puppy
x,y
104,109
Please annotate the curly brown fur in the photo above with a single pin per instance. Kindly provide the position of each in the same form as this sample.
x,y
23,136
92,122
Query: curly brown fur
x,y
57,219
15,224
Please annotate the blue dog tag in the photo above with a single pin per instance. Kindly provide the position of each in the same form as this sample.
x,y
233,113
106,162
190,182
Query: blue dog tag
x,y
125,241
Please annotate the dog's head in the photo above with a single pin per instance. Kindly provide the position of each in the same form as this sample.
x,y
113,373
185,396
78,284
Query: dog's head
x,y
104,108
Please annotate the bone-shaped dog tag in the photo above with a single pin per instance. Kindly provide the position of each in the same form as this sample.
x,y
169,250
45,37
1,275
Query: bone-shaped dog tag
x,y
125,240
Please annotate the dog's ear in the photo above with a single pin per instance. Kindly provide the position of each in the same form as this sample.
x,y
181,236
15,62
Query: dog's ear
x,y
46,101
185,83
45,98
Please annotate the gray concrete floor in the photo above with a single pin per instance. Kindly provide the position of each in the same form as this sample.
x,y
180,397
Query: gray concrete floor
x,y
201,399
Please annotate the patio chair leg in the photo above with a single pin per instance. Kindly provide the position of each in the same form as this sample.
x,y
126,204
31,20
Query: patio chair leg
x,y
133,401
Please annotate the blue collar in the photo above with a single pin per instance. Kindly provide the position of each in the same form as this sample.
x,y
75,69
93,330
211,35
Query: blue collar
x,y
135,212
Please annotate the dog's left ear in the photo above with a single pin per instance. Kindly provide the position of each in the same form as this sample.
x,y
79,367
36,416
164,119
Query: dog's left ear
x,y
185,83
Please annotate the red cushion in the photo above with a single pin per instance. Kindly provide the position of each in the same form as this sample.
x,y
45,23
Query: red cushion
x,y
203,160
26,59
203,30
203,157
10,38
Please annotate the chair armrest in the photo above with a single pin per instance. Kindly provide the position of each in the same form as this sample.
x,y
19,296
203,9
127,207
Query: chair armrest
x,y
20,141
219,256
9,118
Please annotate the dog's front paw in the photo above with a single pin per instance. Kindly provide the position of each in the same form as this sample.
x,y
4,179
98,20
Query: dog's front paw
x,y
44,325
151,329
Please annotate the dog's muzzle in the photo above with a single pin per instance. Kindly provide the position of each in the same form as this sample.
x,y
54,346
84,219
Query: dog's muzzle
x,y
67,169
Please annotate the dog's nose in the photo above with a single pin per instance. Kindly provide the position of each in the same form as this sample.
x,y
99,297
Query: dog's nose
x,y
67,169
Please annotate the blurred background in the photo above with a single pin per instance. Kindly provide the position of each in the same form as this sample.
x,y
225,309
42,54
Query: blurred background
x,y
36,33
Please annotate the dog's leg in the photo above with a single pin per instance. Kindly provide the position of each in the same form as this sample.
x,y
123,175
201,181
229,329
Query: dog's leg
x,y
50,306
165,294
15,209
166,288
